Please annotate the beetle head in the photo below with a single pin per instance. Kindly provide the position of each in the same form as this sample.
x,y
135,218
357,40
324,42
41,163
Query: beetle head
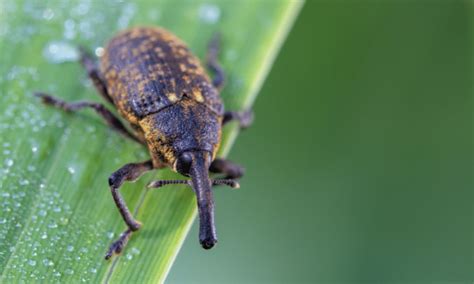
x,y
184,127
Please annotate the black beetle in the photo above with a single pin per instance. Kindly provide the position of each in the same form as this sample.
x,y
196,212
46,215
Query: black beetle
x,y
161,89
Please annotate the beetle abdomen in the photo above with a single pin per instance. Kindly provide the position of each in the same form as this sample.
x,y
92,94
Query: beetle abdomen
x,y
147,69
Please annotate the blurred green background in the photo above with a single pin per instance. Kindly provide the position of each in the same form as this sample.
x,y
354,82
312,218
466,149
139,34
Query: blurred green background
x,y
360,161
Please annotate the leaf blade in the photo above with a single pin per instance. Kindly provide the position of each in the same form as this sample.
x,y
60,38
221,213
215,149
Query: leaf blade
x,y
66,225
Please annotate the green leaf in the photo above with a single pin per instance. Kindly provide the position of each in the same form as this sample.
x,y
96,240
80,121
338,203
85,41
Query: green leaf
x,y
57,217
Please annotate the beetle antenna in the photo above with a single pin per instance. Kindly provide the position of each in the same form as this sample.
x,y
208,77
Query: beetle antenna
x,y
160,183
229,182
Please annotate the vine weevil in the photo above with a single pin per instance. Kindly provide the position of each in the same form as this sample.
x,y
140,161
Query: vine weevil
x,y
161,89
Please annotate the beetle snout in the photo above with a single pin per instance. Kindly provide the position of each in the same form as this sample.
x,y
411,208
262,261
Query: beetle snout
x,y
208,243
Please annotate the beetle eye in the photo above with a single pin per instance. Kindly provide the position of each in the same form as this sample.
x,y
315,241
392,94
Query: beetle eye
x,y
184,163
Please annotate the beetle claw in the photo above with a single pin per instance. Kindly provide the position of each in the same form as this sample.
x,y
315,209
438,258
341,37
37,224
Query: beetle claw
x,y
246,119
117,246
45,98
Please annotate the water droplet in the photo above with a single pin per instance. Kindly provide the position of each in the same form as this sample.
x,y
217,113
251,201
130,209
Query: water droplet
x,y
32,262
42,213
154,14
209,13
31,168
24,182
34,149
71,170
93,270
135,251
70,248
42,185
128,256
69,271
60,51
44,236
99,51
3,221
52,225
48,262
83,250
9,162
128,11
86,29
82,8
48,14
63,221
110,235
69,29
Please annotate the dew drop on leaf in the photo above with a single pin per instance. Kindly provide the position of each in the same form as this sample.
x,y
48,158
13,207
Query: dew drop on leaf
x,y
48,14
9,162
60,51
52,225
99,51
209,13
69,271
48,262
71,170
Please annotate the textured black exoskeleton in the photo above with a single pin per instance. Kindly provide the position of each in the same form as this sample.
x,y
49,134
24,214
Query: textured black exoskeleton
x,y
164,93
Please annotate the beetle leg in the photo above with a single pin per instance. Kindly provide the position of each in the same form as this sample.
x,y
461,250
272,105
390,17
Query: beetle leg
x,y
226,167
245,118
94,74
213,63
129,172
100,109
